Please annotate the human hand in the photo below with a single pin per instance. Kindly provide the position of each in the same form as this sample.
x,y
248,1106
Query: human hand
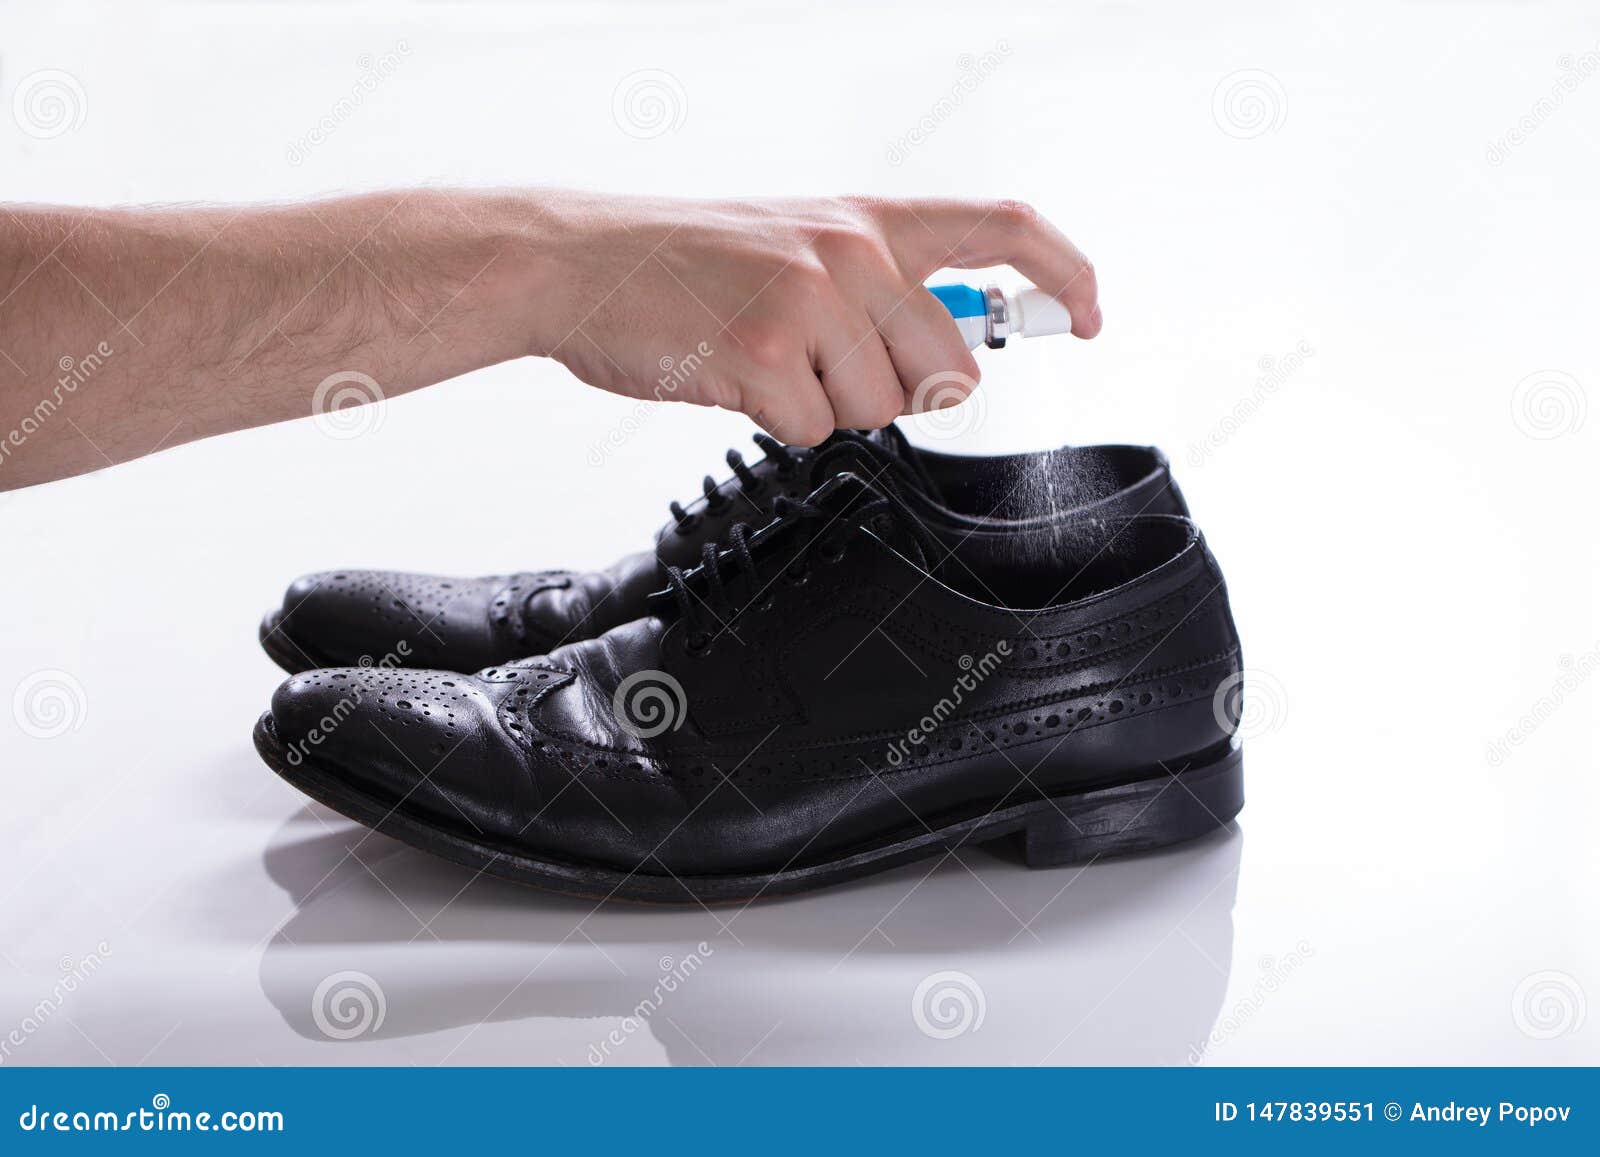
x,y
807,315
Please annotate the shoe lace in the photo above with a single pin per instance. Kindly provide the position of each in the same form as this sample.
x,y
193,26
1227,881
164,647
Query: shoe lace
x,y
785,458
719,602
884,468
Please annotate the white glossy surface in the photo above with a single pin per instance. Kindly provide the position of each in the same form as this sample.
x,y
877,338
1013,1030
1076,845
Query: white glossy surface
x,y
1413,573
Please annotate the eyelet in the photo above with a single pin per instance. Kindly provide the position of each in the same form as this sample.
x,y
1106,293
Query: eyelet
x,y
832,550
799,576
696,644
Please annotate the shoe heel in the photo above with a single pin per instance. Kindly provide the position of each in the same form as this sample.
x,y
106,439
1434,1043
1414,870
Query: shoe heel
x,y
1150,813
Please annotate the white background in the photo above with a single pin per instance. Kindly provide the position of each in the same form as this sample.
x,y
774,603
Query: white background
x,y
1405,519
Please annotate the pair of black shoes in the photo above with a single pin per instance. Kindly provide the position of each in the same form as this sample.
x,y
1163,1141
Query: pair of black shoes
x,y
836,661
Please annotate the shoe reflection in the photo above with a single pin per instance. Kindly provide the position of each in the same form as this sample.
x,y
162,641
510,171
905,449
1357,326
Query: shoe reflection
x,y
971,960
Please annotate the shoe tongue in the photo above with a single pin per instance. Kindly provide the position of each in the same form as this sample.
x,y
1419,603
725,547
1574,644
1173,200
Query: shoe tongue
x,y
882,456
870,506
890,439
844,498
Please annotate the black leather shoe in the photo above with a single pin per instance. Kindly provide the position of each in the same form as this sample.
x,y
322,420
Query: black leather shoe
x,y
841,691
349,617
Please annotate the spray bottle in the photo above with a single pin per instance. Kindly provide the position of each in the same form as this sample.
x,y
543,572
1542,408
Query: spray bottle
x,y
990,315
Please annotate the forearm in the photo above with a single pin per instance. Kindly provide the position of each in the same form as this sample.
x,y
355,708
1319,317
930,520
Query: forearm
x,y
122,331
125,331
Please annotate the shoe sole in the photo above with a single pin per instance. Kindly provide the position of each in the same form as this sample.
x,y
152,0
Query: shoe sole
x,y
1189,800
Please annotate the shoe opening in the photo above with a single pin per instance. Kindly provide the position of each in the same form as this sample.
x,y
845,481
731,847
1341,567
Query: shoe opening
x,y
1024,486
1057,563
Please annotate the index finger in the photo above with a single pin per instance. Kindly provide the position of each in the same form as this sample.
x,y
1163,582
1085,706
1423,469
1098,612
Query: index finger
x,y
928,235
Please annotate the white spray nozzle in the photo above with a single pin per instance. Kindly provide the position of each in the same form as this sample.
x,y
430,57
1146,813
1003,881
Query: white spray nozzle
x,y
989,315
1031,312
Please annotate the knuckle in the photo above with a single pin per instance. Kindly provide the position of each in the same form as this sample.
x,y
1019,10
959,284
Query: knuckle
x,y
864,212
799,428
886,409
789,413
804,282
850,247
815,430
766,344
1019,216
945,388
885,215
